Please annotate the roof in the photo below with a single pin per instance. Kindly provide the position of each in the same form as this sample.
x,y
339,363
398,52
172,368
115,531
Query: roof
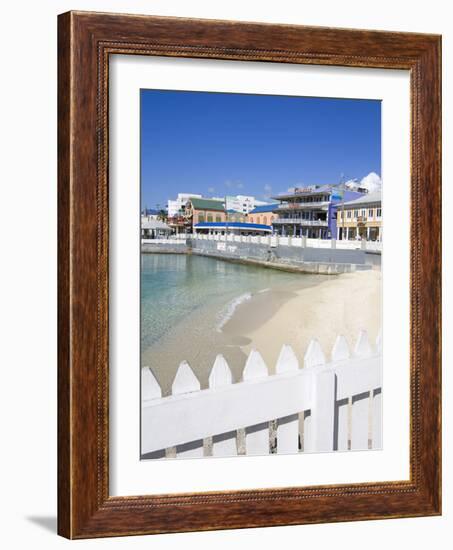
x,y
207,204
307,191
264,208
154,224
234,225
369,198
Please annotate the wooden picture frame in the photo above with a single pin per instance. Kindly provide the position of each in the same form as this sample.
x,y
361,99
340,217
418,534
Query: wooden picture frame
x,y
85,42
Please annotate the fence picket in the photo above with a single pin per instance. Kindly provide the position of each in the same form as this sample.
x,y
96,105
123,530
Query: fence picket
x,y
255,367
185,381
340,352
256,437
150,386
314,356
376,422
360,421
150,389
376,407
322,407
221,444
287,427
319,435
360,413
379,342
363,347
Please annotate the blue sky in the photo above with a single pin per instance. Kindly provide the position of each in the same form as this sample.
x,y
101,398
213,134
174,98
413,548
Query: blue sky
x,y
228,144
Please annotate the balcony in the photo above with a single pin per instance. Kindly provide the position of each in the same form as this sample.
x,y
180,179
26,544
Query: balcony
x,y
303,205
301,222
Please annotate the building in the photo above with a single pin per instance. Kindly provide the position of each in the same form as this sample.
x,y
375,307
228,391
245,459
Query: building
x,y
242,203
178,223
198,210
361,218
232,228
311,211
234,216
176,207
264,214
152,228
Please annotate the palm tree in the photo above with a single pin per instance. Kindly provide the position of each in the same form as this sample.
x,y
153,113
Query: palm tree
x,y
162,215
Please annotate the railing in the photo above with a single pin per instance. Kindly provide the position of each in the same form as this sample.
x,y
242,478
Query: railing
x,y
324,406
272,240
302,205
275,240
300,221
164,241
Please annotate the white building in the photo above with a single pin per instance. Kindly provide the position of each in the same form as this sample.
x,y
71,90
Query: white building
x,y
242,203
152,228
175,206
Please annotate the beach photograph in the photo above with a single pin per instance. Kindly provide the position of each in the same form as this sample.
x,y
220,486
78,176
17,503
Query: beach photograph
x,y
261,243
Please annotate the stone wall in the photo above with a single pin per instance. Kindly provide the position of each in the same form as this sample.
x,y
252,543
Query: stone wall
x,y
165,248
310,259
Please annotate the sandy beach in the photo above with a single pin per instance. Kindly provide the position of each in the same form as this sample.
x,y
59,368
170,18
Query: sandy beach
x,y
342,304
246,308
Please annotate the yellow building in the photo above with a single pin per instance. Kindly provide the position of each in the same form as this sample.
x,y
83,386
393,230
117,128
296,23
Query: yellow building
x,y
360,218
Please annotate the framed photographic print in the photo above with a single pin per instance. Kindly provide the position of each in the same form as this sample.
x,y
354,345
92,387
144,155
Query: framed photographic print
x,y
249,275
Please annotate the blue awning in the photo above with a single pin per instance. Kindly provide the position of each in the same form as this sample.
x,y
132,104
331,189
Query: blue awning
x,y
234,225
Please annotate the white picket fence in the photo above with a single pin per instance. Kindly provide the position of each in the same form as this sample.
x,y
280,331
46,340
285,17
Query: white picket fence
x,y
324,406
164,241
274,240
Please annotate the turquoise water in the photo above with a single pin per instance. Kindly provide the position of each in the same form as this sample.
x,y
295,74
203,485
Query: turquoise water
x,y
194,307
173,286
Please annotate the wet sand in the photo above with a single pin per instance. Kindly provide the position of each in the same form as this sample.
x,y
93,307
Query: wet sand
x,y
341,305
313,307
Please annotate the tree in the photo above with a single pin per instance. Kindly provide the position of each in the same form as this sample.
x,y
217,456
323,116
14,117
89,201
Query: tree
x,y
162,215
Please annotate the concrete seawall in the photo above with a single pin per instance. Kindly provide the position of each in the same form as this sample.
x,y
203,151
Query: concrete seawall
x,y
287,258
311,260
165,248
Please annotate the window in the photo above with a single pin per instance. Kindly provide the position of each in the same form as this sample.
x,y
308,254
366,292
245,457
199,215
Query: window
x,y
209,217
200,218
370,212
349,213
363,214
265,220
379,212
356,213
217,219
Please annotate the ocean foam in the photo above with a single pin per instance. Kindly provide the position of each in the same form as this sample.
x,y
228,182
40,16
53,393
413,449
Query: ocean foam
x,y
228,311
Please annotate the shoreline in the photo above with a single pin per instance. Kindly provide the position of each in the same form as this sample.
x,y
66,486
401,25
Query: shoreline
x,y
284,256
204,332
318,267
291,310
343,305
